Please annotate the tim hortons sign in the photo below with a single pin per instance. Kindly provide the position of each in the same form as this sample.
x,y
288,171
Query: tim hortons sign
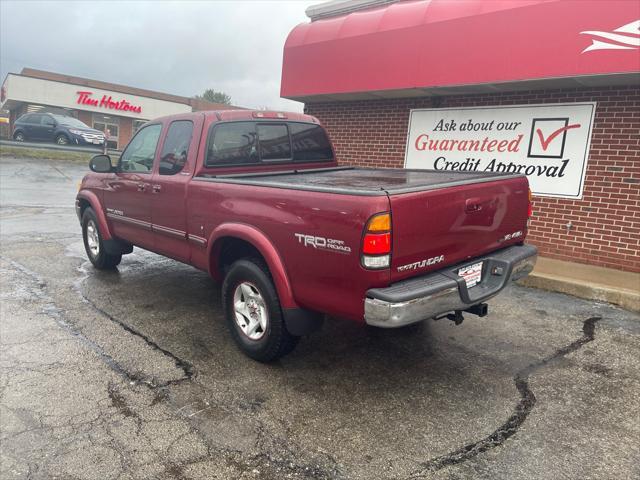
x,y
547,143
86,98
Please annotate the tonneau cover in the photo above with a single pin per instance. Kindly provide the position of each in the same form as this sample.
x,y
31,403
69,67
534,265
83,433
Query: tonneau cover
x,y
362,181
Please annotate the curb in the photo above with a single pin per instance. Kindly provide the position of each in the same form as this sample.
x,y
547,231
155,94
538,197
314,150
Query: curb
x,y
623,297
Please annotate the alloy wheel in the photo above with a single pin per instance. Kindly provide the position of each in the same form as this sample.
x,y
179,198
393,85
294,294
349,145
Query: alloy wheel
x,y
250,310
93,241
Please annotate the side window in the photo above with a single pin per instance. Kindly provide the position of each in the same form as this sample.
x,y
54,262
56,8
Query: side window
x,y
139,154
35,119
274,142
310,142
25,118
47,121
232,143
176,147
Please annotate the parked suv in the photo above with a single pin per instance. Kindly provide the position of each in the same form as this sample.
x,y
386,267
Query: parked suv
x,y
55,128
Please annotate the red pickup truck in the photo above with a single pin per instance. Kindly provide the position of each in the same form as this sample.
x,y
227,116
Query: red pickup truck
x,y
257,200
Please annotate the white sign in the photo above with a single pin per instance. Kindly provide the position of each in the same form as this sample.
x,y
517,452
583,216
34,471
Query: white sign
x,y
58,94
548,143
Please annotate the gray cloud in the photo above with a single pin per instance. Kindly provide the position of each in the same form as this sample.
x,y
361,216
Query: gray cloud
x,y
175,47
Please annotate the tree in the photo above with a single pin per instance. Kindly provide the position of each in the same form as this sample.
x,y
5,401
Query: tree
x,y
210,95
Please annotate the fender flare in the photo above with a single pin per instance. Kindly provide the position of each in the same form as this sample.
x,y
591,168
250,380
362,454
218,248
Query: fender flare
x,y
268,251
94,202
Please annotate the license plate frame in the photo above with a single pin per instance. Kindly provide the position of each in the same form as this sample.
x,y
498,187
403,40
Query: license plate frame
x,y
472,274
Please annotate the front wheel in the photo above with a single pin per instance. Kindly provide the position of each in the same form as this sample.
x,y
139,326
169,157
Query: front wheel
x,y
93,244
253,313
18,137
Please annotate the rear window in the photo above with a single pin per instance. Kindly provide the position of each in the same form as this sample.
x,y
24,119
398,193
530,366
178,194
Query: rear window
x,y
237,143
233,143
310,142
274,142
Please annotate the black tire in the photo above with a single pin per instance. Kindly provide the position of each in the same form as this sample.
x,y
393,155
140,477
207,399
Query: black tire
x,y
62,139
98,257
276,341
19,136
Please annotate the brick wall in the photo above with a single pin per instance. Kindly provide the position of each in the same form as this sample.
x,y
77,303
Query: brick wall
x,y
125,133
606,222
85,117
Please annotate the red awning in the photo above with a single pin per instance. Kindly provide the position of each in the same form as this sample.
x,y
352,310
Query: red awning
x,y
427,47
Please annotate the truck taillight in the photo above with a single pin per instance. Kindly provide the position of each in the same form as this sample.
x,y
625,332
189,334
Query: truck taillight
x,y
376,243
530,209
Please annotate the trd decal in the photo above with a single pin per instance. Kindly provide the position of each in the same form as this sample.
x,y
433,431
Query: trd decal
x,y
322,243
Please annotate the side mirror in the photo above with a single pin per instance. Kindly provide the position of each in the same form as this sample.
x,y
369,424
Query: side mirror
x,y
101,164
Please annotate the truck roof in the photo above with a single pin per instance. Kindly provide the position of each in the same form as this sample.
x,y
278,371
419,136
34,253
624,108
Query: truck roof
x,y
226,115
238,115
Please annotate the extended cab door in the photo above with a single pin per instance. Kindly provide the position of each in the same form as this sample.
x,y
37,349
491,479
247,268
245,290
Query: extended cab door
x,y
127,196
171,176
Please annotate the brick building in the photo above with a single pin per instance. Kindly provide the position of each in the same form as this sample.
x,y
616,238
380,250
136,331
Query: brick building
x,y
118,109
376,72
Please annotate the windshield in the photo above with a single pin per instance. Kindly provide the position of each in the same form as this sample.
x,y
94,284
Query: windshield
x,y
70,121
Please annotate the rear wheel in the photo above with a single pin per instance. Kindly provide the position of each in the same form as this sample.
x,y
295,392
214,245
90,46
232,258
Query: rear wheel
x,y
253,312
93,244
62,140
18,137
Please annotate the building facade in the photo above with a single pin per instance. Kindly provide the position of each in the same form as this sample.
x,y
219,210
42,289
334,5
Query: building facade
x,y
484,85
115,109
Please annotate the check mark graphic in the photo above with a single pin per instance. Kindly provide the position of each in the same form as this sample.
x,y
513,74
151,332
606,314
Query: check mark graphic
x,y
545,143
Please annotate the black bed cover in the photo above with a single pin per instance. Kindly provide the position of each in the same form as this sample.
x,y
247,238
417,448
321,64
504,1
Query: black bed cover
x,y
359,181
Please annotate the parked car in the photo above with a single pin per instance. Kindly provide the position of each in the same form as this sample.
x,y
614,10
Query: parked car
x,y
60,129
257,200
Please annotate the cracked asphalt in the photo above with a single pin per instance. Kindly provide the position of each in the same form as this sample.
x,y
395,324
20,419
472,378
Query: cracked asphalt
x,y
131,375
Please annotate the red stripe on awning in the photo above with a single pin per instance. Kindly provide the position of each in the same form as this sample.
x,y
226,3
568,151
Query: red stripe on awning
x,y
440,43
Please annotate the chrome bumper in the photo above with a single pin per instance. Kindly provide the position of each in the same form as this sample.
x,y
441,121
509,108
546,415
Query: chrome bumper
x,y
431,295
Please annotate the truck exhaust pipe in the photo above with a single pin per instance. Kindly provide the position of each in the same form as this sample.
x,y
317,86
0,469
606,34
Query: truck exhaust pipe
x,y
481,309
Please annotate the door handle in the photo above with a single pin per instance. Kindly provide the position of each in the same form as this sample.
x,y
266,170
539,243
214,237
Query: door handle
x,y
141,187
157,188
472,205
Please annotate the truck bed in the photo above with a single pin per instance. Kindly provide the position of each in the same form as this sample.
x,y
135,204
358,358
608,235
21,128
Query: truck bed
x,y
359,181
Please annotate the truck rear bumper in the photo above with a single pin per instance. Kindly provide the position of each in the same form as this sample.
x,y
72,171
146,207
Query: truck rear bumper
x,y
431,295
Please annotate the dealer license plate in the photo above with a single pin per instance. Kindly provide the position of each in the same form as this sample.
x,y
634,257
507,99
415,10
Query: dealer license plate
x,y
471,274
97,142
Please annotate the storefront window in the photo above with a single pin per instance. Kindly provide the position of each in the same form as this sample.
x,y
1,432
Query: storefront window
x,y
137,124
109,125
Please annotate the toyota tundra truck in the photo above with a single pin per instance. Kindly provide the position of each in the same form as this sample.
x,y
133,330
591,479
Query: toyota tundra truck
x,y
257,200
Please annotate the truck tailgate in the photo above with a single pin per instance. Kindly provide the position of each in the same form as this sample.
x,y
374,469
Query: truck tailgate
x,y
448,225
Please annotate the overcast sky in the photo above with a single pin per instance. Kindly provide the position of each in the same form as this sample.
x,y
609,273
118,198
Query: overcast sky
x,y
175,47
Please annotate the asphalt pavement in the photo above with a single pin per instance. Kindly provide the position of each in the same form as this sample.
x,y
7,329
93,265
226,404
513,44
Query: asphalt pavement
x,y
132,374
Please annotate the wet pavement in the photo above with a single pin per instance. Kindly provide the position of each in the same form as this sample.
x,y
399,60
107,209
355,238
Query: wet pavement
x,y
132,375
